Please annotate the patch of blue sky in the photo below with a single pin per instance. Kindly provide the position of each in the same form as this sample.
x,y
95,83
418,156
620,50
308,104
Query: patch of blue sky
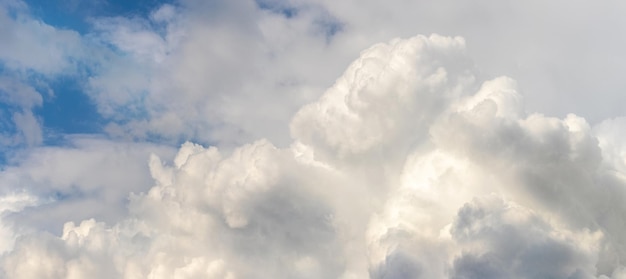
x,y
278,7
59,14
72,192
7,127
76,14
69,110
66,112
178,141
8,131
329,26
66,109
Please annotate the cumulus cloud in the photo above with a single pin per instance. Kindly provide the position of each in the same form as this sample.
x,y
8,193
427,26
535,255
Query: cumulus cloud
x,y
409,166
536,43
391,93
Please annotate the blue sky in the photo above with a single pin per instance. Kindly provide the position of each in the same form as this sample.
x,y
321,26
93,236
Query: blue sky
x,y
312,139
66,108
75,15
70,110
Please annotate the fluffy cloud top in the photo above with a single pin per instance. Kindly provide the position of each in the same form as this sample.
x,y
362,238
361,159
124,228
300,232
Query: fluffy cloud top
x,y
409,166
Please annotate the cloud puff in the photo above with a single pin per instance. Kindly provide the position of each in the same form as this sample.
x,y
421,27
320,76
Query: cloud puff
x,y
407,167
392,93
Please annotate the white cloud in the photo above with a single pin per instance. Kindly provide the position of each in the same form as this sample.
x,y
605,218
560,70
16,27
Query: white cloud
x,y
391,90
407,167
229,73
192,72
29,44
13,92
29,127
415,163
31,54
539,44
90,178
12,202
20,100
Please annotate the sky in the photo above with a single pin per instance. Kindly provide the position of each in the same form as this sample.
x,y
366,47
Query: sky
x,y
312,139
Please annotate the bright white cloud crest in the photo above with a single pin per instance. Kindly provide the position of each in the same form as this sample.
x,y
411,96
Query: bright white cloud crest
x,y
407,167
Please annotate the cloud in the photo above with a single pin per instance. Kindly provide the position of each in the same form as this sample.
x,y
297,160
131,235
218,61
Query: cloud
x,y
30,44
393,92
32,56
90,178
260,217
9,203
508,241
415,163
190,72
197,71
409,166
19,100
194,70
557,73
